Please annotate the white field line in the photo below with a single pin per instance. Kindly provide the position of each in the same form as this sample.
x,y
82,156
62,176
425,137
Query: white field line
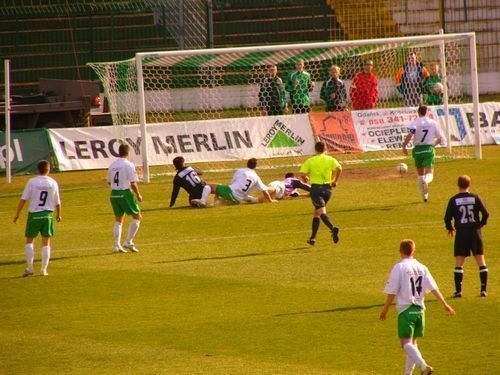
x,y
224,238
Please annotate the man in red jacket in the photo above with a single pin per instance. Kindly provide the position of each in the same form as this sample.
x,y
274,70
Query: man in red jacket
x,y
364,88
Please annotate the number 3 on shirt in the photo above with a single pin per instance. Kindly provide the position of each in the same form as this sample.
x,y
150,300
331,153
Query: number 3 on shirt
x,y
247,185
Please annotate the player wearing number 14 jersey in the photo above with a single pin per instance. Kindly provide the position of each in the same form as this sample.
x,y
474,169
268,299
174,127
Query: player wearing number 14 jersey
x,y
426,135
408,282
122,178
466,214
43,193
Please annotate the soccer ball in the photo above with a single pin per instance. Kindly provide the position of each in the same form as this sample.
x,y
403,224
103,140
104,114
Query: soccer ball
x,y
437,88
402,168
278,189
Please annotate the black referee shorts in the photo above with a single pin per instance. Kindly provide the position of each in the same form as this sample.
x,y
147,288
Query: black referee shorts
x,y
320,195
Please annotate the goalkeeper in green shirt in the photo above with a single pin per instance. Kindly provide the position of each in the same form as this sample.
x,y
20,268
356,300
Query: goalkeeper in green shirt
x,y
433,86
299,85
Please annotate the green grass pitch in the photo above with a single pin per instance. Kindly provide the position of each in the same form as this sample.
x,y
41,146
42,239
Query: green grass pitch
x,y
236,289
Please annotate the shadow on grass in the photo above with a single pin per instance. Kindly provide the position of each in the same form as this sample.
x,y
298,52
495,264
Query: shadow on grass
x,y
380,208
339,309
265,253
54,259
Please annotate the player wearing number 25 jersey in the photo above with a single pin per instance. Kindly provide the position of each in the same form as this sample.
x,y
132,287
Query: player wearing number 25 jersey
x,y
466,214
122,178
43,193
408,282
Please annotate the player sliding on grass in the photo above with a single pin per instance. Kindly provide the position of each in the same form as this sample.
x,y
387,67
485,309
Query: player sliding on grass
x,y
408,282
288,188
323,172
244,180
189,179
122,178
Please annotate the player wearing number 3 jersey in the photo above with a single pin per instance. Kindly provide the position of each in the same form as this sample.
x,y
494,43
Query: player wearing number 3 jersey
x,y
244,180
426,135
43,193
122,178
408,282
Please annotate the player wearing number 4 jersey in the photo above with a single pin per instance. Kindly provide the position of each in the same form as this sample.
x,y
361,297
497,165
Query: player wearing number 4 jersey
x,y
469,215
188,178
122,178
426,135
43,193
408,282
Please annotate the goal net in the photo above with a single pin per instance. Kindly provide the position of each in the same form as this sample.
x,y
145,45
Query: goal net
x,y
208,105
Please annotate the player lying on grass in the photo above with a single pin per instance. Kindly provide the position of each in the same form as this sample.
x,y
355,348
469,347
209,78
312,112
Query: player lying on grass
x,y
188,178
244,180
289,187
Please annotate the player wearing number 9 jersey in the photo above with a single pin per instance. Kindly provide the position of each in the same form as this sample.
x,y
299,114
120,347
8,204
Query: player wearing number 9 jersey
x,y
122,178
43,193
408,282
466,214
426,134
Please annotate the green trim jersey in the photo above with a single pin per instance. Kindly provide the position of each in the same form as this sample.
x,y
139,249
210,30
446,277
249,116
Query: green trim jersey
x,y
425,131
43,194
319,168
121,173
409,281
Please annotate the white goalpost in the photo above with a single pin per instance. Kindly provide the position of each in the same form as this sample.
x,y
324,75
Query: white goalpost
x,y
213,88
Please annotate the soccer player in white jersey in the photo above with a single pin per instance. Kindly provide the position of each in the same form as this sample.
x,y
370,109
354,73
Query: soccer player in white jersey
x,y
426,135
122,178
43,193
244,180
408,283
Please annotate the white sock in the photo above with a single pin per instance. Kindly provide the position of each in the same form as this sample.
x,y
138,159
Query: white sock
x,y
29,251
45,257
132,230
429,177
117,233
206,192
415,355
420,184
409,364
